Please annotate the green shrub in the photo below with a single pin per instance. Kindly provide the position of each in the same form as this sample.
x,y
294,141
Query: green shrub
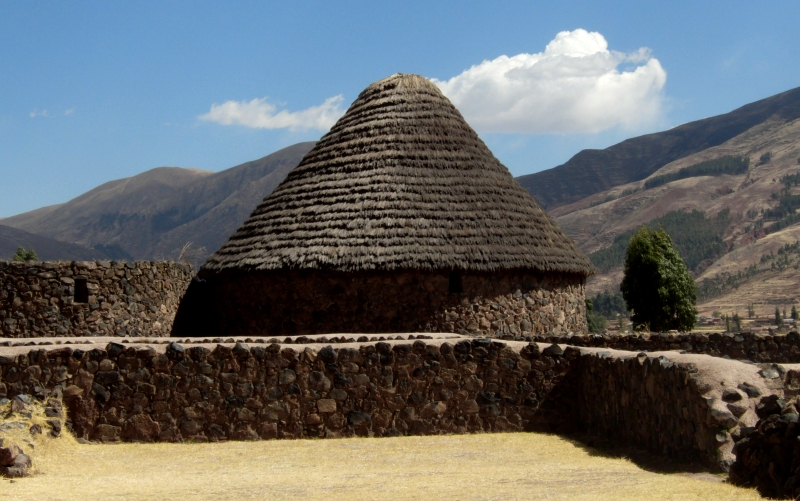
x,y
23,255
657,286
594,322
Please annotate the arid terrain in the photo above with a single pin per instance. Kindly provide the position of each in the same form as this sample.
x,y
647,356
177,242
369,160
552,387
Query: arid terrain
x,y
494,466
595,221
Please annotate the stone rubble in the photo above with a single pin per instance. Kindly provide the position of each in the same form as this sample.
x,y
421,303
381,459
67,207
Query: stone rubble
x,y
15,458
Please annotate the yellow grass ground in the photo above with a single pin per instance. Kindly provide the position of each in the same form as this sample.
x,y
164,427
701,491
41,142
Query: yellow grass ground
x,y
483,467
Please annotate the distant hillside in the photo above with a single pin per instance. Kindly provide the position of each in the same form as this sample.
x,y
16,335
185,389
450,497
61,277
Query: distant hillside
x,y
154,215
697,238
727,188
595,171
46,249
725,207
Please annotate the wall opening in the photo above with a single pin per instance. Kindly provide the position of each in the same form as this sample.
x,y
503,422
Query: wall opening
x,y
81,291
455,282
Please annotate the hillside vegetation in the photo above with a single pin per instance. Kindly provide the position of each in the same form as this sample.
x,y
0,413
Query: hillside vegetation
x,y
716,167
696,237
751,180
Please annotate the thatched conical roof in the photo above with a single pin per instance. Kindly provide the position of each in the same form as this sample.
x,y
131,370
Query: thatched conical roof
x,y
401,181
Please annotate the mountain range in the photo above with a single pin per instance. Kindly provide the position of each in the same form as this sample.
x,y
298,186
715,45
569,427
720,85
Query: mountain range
x,y
733,170
165,212
47,249
595,171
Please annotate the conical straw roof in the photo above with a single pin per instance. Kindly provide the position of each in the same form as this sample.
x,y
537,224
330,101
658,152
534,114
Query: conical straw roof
x,y
401,181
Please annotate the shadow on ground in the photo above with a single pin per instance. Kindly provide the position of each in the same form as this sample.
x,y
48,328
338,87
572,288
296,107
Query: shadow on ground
x,y
644,459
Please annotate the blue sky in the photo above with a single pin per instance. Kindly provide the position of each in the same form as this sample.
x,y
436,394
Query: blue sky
x,y
95,91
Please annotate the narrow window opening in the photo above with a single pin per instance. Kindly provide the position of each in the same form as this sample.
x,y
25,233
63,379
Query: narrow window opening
x,y
81,291
455,282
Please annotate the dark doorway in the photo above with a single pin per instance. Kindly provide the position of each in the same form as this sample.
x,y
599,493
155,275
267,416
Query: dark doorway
x,y
455,282
81,291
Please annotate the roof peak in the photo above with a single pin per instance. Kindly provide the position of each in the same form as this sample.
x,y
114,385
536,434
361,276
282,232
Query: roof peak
x,y
400,181
403,82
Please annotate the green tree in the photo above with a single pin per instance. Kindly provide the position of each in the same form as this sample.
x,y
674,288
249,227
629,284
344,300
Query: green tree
x,y
777,316
23,255
794,313
657,286
594,322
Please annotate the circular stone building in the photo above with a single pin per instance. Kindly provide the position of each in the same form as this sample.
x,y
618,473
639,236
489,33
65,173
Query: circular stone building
x,y
399,220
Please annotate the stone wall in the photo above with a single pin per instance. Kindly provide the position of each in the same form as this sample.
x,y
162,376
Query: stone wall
x,y
768,455
756,347
514,304
49,299
667,403
124,392
687,407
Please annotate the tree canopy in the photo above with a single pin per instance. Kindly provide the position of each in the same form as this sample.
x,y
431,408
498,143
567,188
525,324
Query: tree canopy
x,y
657,285
23,255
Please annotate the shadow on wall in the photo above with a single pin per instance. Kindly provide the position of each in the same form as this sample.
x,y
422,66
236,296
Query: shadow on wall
x,y
512,304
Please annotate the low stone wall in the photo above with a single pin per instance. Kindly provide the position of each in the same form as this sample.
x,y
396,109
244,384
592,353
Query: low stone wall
x,y
506,303
756,347
49,299
768,455
124,392
687,406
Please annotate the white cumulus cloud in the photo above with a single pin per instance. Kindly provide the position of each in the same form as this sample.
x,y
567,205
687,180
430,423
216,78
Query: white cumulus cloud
x,y
575,86
38,113
261,114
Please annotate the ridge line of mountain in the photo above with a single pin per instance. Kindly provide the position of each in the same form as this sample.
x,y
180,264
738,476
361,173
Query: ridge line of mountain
x,y
593,171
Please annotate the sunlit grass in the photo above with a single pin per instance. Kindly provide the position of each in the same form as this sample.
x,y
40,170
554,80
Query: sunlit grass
x,y
487,466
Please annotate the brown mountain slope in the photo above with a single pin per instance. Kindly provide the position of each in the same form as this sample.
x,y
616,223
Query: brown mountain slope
x,y
46,249
155,214
773,282
595,221
594,171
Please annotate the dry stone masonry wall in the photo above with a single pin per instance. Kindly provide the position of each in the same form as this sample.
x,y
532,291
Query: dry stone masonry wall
x,y
237,392
686,407
768,455
56,299
149,391
510,304
755,347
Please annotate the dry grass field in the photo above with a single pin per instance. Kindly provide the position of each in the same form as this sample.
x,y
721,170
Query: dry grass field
x,y
497,466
